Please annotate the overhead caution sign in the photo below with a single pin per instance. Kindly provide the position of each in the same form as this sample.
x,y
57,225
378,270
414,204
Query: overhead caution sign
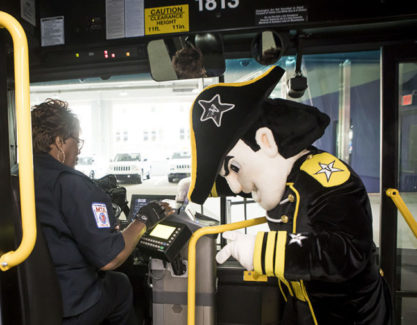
x,y
165,20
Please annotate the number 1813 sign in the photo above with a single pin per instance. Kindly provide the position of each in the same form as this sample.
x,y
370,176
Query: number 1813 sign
x,y
211,5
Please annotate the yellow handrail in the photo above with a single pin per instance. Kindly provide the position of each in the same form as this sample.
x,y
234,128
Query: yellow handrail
x,y
399,203
24,144
192,257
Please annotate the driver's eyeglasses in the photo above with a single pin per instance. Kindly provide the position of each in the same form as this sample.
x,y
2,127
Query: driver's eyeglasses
x,y
80,142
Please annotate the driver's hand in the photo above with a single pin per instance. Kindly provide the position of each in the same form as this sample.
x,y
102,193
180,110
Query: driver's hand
x,y
153,213
168,210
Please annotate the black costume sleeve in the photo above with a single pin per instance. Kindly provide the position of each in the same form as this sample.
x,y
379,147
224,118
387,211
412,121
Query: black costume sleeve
x,y
336,248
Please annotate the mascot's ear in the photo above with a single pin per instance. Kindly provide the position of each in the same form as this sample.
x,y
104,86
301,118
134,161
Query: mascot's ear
x,y
265,139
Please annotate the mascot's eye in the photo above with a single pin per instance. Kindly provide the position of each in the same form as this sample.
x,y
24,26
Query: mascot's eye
x,y
235,166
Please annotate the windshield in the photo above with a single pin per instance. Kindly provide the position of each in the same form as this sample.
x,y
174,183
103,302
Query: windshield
x,y
137,112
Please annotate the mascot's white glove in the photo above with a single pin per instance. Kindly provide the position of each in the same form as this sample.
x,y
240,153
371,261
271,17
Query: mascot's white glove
x,y
240,246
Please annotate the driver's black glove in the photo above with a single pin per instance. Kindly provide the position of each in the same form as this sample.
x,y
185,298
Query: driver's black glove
x,y
151,214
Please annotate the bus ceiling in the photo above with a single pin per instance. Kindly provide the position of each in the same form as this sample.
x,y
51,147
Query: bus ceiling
x,y
80,39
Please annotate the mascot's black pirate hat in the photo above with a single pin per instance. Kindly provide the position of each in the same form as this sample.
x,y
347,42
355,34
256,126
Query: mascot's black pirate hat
x,y
225,112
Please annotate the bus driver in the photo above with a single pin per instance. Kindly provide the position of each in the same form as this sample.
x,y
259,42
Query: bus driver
x,y
78,223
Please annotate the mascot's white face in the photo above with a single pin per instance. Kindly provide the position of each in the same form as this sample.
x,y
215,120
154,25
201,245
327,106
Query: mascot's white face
x,y
263,173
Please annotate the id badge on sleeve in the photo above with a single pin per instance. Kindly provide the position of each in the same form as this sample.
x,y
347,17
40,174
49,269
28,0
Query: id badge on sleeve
x,y
101,215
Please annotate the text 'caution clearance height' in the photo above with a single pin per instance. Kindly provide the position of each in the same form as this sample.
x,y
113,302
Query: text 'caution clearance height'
x,y
165,20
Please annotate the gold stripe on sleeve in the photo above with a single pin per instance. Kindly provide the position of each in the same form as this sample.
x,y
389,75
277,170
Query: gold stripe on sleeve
x,y
257,263
269,253
280,255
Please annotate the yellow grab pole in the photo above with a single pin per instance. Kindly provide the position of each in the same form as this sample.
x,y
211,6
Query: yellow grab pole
x,y
399,203
24,144
192,257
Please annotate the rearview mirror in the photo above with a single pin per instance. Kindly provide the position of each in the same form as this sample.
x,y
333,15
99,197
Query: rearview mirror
x,y
186,57
268,47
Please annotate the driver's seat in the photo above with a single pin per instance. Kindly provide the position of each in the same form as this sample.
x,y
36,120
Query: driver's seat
x,y
41,296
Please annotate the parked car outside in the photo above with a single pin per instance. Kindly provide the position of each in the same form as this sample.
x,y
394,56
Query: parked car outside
x,y
89,166
179,166
130,168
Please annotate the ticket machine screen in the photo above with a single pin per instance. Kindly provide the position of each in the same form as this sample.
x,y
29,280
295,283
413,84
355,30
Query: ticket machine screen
x,y
162,231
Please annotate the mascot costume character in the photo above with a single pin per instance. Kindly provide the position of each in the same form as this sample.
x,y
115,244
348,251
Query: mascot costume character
x,y
320,244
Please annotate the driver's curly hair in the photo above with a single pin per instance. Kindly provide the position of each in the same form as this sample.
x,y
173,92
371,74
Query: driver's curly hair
x,y
52,119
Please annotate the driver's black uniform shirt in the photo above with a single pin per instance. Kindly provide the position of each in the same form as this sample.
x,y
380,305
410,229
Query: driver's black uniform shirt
x,y
78,223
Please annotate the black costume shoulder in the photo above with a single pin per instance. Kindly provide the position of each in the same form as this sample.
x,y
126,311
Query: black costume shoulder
x,y
321,246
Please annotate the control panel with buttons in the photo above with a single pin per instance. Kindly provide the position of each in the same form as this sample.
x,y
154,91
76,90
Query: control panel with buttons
x,y
165,240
